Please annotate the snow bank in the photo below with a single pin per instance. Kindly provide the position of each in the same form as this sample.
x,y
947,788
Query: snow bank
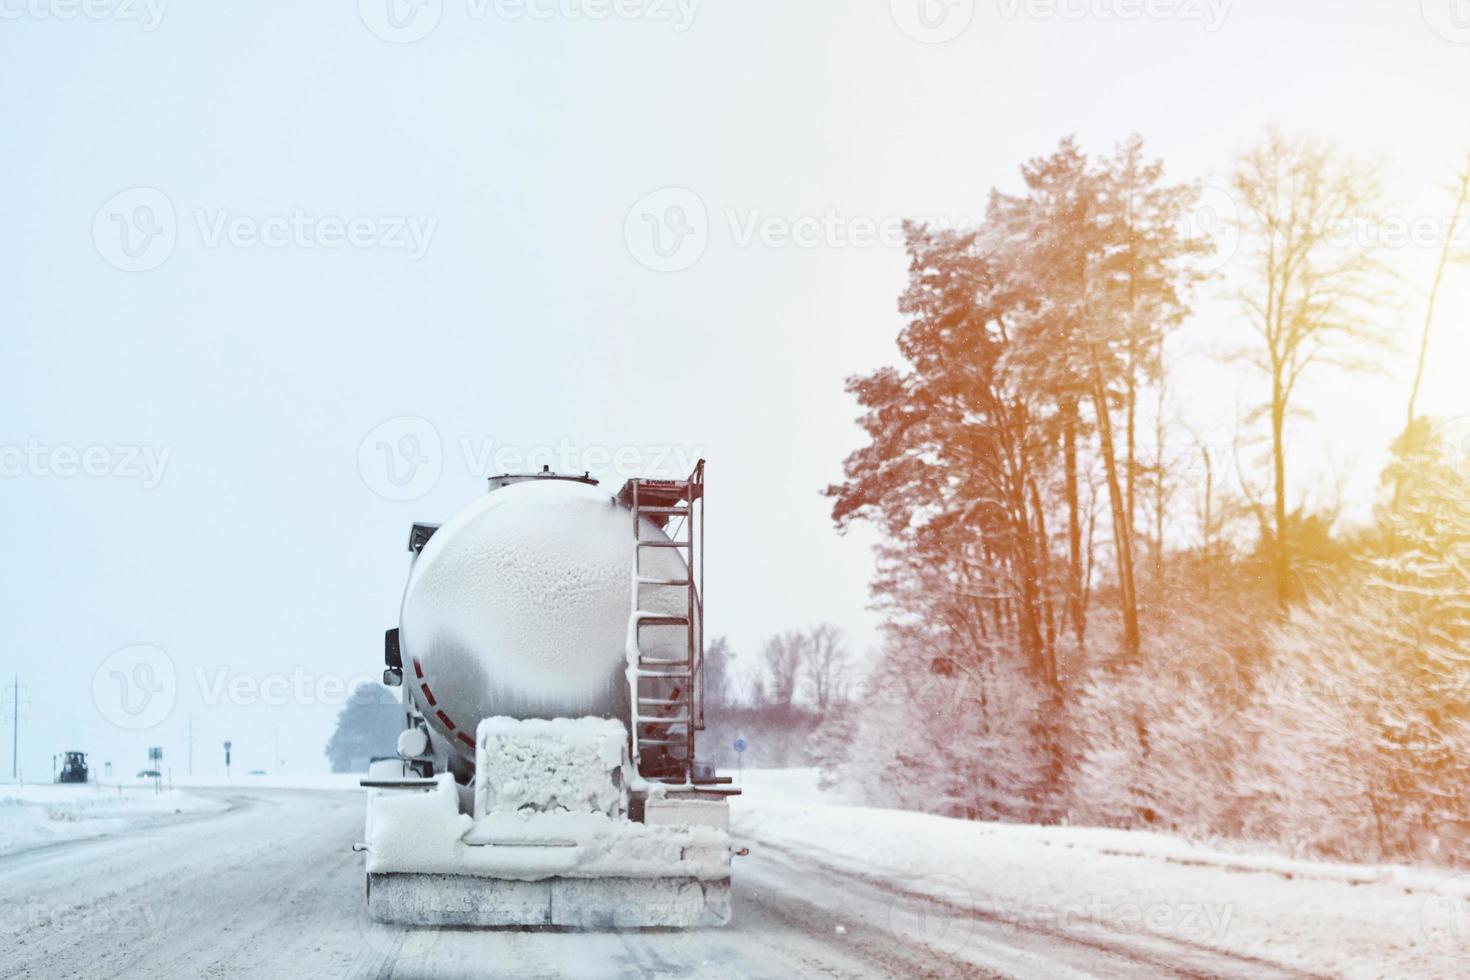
x,y
303,781
47,813
1338,919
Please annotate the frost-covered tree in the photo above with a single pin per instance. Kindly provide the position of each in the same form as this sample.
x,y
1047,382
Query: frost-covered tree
x,y
367,726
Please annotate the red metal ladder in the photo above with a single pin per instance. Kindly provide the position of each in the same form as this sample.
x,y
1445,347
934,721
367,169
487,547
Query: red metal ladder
x,y
665,693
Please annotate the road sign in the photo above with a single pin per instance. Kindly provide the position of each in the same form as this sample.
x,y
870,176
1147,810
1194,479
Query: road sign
x,y
740,745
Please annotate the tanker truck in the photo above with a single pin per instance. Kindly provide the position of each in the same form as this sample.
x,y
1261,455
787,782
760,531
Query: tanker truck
x,y
549,648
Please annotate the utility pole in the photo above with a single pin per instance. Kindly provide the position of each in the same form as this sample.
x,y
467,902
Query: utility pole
x,y
14,703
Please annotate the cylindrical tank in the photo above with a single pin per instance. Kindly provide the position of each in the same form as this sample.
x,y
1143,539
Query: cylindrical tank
x,y
519,606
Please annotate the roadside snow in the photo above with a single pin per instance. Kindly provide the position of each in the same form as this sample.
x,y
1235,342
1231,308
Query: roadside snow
x,y
48,813
1337,919
319,780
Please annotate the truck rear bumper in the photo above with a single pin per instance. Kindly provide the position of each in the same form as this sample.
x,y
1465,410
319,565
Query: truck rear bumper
x,y
583,903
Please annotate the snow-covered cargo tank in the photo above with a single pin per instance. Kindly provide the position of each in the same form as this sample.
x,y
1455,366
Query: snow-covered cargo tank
x,y
549,649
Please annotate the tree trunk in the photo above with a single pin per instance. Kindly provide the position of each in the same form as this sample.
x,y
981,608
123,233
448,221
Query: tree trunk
x,y
1122,536
1075,613
1131,445
1043,549
1281,560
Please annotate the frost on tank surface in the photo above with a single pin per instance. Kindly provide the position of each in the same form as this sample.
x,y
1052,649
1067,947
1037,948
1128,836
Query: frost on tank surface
x,y
518,606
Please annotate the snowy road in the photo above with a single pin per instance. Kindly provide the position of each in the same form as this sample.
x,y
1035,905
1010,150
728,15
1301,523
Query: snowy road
x,y
270,887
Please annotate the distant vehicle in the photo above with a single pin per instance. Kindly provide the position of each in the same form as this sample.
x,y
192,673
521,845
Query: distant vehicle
x,y
257,772
149,774
74,769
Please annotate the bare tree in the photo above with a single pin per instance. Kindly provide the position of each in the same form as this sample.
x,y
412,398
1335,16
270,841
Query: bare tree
x,y
1296,197
1462,198
827,663
719,682
785,654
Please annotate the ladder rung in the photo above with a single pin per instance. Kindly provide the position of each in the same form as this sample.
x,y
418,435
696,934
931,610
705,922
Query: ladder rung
x,y
662,544
673,511
659,662
660,619
663,741
662,581
661,702
643,672
674,720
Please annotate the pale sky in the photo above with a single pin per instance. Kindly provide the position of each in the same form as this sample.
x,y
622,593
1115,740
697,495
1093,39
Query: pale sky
x,y
503,286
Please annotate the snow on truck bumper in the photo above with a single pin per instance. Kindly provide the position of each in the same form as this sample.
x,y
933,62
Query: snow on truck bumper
x,y
550,842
